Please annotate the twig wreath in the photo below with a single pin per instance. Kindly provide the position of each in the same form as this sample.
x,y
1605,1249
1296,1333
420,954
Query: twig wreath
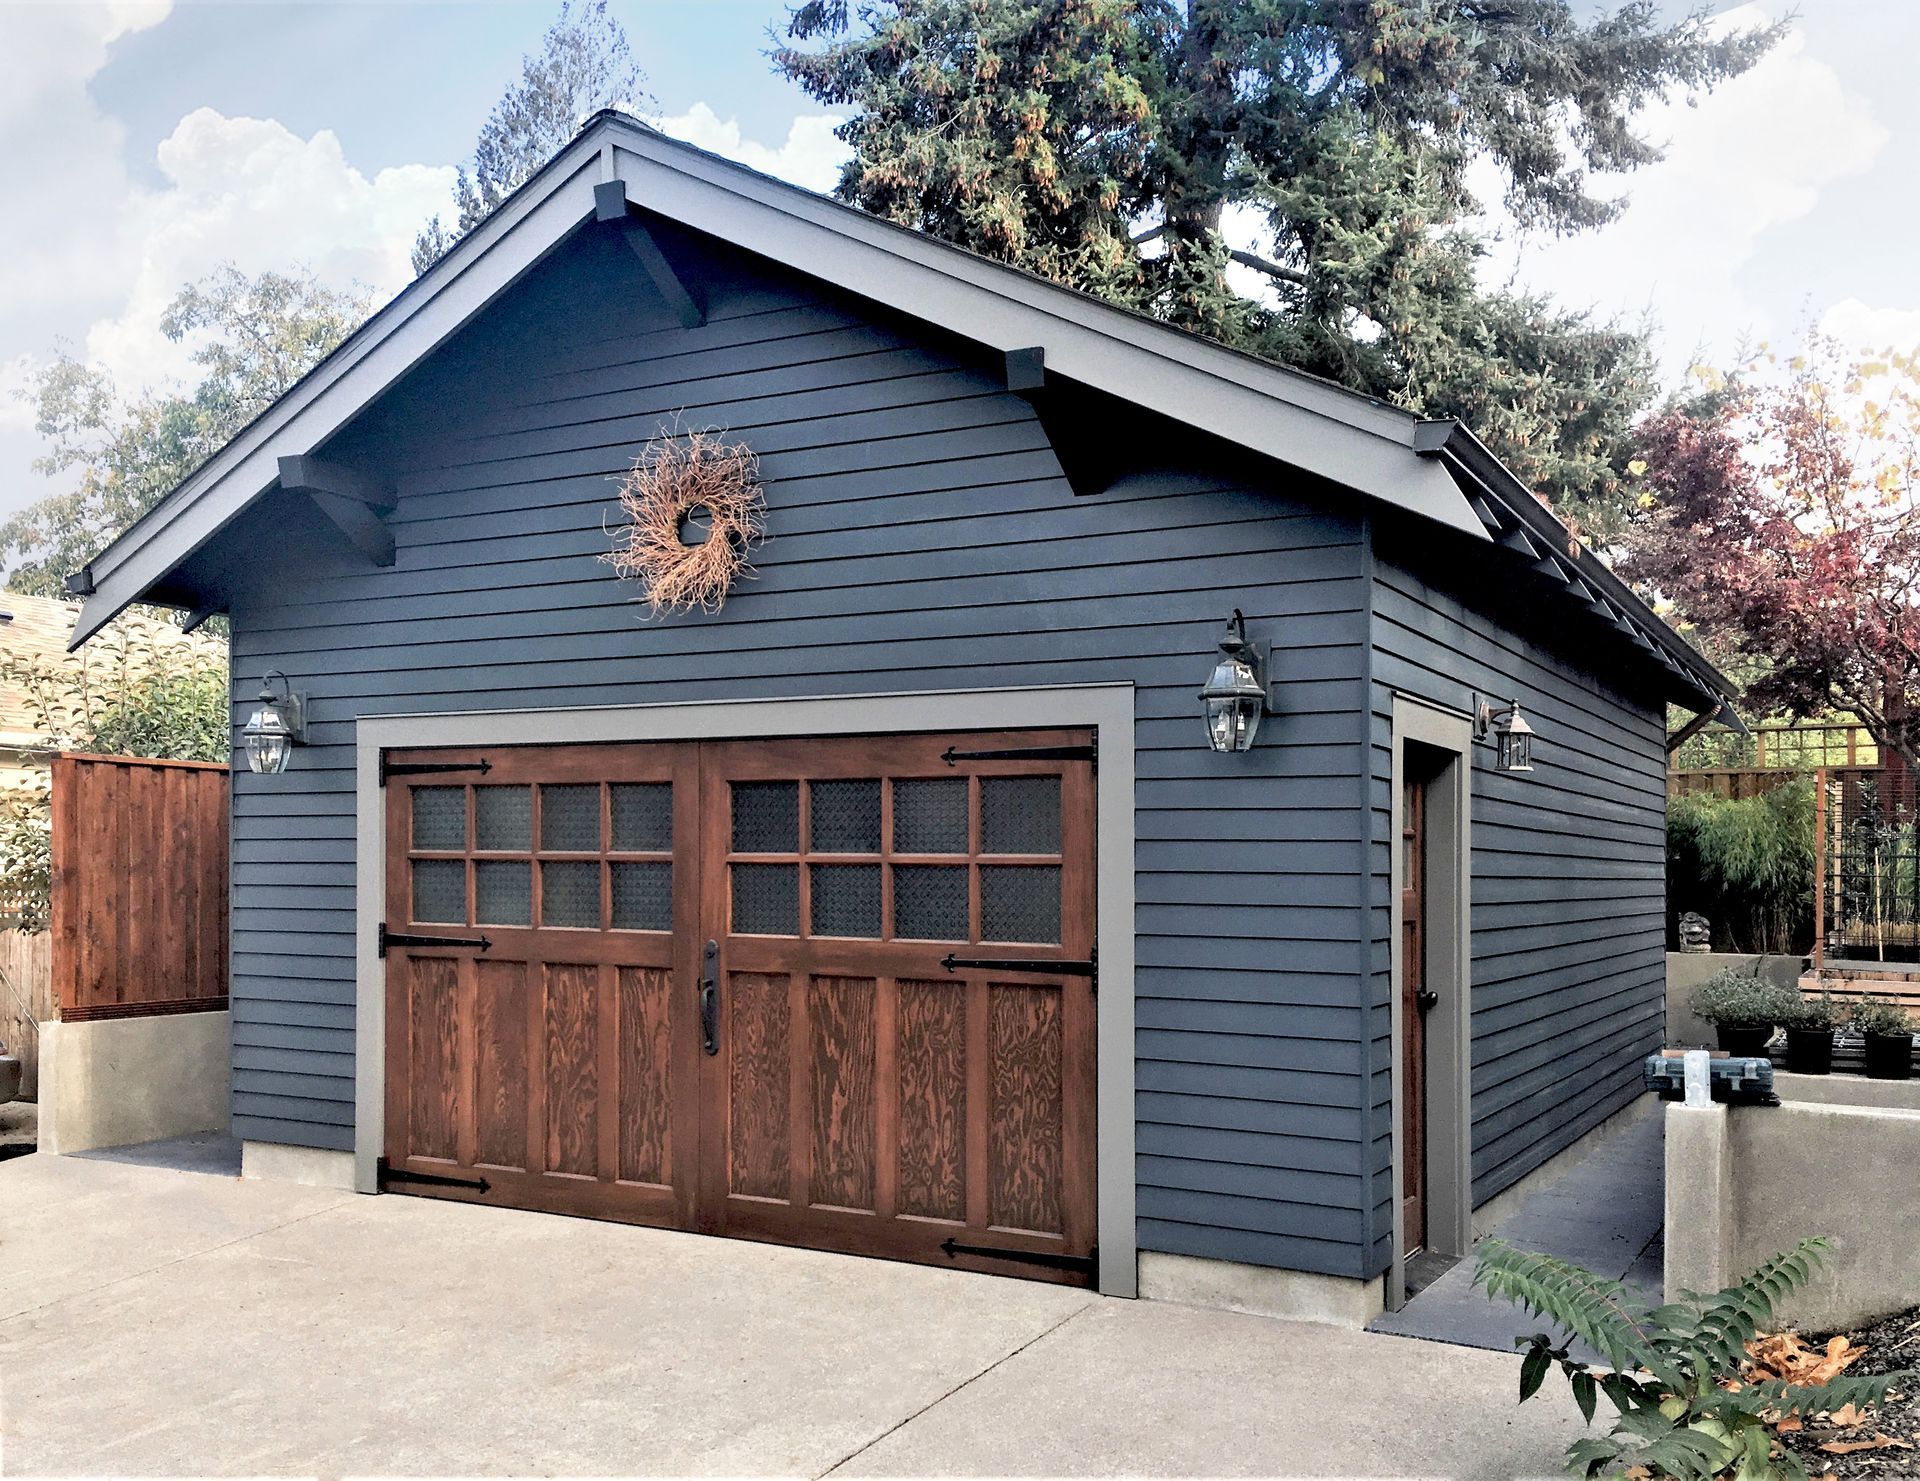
x,y
693,511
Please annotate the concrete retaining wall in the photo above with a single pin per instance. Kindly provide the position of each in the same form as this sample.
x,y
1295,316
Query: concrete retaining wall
x,y
1686,970
113,1081
1745,1182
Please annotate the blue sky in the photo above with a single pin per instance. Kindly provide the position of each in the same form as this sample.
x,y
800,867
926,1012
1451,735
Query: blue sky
x,y
142,142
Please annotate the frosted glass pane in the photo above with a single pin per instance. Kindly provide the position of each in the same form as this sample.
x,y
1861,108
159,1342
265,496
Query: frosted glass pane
x,y
439,890
930,816
503,817
440,817
642,896
503,892
1020,903
570,818
570,895
930,902
643,816
846,900
845,817
1020,815
766,899
766,817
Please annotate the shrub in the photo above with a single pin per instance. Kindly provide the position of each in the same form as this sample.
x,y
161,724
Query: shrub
x,y
1747,866
1671,1367
1742,1000
1814,1013
1873,1015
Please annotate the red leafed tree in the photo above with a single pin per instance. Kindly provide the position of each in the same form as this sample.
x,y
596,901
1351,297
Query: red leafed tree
x,y
1782,523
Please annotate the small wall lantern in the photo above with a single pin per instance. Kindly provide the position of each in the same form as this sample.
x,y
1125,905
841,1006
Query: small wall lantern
x,y
273,730
1512,736
1235,696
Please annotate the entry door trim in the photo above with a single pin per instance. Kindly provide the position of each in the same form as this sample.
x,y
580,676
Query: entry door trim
x,y
1107,708
1449,972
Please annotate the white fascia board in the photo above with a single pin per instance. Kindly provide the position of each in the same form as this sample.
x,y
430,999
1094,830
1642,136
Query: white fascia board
x,y
478,270
1315,426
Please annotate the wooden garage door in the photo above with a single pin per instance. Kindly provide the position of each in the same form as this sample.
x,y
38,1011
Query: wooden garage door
x,y
824,992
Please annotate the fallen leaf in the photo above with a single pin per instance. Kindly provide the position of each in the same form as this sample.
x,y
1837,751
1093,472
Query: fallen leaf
x,y
1878,1442
1788,1425
1847,1416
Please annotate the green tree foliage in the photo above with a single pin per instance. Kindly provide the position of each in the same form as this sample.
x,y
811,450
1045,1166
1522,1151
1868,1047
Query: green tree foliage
x,y
1669,1367
1163,154
584,65
1746,865
138,689
254,337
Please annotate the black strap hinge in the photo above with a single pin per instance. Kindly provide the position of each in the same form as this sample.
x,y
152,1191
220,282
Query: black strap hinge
x,y
1089,752
407,938
389,1174
1086,1264
428,768
1089,969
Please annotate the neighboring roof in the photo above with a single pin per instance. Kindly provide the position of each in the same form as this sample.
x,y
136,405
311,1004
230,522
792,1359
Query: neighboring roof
x,y
1352,440
37,630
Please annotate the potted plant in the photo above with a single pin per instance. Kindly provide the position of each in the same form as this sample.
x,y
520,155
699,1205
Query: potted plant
x,y
1809,1025
1743,1010
1889,1036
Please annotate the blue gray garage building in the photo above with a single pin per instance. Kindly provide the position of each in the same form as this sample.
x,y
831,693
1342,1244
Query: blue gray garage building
x,y
1245,1024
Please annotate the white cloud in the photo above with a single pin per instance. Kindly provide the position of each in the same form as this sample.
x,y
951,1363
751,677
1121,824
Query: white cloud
x,y
1869,331
90,255
1752,155
251,192
810,157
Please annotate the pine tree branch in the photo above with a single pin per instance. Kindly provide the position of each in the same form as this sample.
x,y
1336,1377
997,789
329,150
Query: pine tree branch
x,y
1270,268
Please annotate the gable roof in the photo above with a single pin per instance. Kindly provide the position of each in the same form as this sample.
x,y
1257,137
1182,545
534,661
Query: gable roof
x,y
1349,439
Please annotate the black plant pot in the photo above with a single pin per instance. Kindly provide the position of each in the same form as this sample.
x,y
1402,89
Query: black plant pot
x,y
1890,1056
1810,1051
1744,1040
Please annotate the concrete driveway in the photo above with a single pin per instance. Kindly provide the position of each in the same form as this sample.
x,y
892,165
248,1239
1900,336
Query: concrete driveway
x,y
156,1322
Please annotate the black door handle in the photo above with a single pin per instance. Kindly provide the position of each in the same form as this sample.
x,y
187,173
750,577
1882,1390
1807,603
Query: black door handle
x,y
1426,999
709,1000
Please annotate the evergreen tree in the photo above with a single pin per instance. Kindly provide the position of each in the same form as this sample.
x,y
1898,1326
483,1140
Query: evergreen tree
x,y
1288,176
584,65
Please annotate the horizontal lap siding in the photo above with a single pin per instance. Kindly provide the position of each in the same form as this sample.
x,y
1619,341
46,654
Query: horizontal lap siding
x,y
920,536
1568,887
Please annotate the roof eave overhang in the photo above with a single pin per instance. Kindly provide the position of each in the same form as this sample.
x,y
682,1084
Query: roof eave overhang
x,y
1504,505
1323,429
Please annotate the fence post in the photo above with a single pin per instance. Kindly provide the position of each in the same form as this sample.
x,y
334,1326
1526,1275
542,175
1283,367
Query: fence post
x,y
1819,867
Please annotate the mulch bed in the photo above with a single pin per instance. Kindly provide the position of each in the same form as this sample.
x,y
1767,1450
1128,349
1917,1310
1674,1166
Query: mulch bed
x,y
1892,1344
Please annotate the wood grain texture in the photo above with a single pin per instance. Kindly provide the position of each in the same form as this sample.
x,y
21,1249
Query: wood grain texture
x,y
433,1038
758,1027
646,1075
932,1057
499,1084
841,1067
139,867
571,1054
1024,1122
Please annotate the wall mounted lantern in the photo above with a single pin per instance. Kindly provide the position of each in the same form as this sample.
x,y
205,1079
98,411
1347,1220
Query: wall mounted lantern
x,y
1235,696
1512,736
273,730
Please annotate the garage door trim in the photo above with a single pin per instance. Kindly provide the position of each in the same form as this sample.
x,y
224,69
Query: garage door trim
x,y
1107,708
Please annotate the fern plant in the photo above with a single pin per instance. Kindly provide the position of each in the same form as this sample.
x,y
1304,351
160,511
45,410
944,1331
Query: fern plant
x,y
1673,1375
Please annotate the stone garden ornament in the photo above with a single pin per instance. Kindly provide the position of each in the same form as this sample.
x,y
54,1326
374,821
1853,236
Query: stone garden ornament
x,y
1695,933
693,511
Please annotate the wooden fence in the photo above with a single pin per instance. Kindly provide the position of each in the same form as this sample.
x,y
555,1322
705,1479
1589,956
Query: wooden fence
x,y
26,1001
139,886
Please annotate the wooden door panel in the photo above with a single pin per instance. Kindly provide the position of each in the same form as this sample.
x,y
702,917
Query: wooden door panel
x,y
646,1149
931,1055
499,1079
1023,1053
432,1013
842,1089
571,1061
757,1032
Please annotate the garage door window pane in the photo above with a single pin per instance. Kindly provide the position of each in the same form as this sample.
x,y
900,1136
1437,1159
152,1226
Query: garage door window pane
x,y
643,897
503,818
440,817
766,899
439,890
643,817
570,895
1020,903
930,902
503,892
570,818
930,816
766,817
1020,815
846,900
845,817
